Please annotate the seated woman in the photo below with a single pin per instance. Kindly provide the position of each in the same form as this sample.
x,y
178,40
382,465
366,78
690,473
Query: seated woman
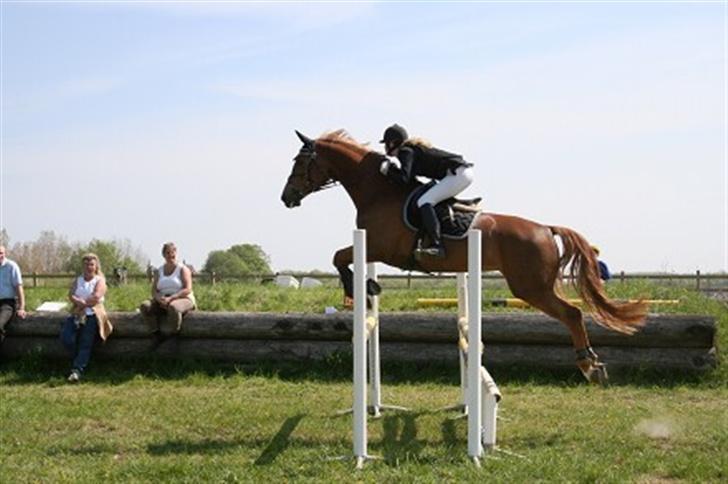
x,y
88,317
172,296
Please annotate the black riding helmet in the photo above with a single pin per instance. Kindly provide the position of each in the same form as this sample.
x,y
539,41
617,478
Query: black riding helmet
x,y
394,134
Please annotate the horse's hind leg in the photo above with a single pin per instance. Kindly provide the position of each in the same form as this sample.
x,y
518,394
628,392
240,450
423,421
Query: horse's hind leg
x,y
586,359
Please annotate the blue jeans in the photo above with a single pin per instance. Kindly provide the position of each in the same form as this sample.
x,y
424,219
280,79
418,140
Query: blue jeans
x,y
80,340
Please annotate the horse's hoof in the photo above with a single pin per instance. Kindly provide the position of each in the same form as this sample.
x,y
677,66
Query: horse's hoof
x,y
373,288
598,374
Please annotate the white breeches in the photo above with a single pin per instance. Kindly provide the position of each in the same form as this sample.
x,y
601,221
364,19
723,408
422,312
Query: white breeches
x,y
448,187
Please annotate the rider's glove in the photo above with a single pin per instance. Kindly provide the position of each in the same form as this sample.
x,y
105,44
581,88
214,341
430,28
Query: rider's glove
x,y
384,167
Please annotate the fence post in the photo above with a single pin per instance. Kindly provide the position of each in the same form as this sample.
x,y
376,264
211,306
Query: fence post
x,y
697,280
621,277
35,279
212,278
409,279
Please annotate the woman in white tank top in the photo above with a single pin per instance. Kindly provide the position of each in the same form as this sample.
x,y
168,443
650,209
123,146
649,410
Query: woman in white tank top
x,y
84,293
172,295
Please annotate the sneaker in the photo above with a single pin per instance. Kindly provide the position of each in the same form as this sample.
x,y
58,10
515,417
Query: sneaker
x,y
74,377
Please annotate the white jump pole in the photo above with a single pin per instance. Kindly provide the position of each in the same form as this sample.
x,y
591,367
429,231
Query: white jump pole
x,y
359,406
475,418
490,398
462,283
375,371
376,407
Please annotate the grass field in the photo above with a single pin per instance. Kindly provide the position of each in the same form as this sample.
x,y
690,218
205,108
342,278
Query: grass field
x,y
188,421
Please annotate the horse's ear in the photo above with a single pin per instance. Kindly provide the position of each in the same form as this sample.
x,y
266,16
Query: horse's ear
x,y
305,139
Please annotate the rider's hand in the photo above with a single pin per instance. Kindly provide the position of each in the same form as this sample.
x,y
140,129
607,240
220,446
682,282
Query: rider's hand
x,y
384,167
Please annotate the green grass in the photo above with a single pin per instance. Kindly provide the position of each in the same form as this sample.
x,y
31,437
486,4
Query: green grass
x,y
190,421
150,421
256,297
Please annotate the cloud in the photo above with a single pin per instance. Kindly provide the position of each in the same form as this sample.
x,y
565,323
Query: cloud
x,y
49,96
308,15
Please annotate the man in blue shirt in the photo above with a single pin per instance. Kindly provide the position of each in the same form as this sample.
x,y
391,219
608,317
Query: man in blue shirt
x,y
12,297
604,273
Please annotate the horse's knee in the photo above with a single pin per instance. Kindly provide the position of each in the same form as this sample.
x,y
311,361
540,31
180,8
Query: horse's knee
x,y
342,258
347,280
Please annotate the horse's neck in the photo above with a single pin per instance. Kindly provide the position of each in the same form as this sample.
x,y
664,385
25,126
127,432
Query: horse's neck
x,y
366,186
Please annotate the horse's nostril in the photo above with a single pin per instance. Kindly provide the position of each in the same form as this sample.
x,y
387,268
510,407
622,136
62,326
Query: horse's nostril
x,y
291,197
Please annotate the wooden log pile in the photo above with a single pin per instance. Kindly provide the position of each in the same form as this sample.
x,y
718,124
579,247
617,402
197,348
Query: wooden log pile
x,y
667,341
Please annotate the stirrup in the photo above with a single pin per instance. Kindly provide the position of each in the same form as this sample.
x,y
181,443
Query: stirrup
x,y
434,251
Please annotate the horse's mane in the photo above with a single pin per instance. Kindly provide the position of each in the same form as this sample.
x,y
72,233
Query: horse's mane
x,y
343,139
340,139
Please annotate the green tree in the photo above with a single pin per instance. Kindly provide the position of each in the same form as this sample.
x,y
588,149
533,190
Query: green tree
x,y
112,254
238,260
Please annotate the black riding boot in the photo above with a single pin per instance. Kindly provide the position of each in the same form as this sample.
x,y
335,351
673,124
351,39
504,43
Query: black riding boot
x,y
432,226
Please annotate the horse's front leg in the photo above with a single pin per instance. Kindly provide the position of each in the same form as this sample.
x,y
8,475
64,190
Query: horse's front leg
x,y
343,258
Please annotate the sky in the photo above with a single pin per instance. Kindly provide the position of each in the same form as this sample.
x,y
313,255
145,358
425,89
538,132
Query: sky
x,y
158,122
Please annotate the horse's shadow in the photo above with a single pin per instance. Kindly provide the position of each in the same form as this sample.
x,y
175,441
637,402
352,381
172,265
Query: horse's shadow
x,y
399,441
273,447
280,441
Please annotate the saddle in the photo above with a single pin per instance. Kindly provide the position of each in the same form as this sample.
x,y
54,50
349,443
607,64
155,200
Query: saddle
x,y
456,216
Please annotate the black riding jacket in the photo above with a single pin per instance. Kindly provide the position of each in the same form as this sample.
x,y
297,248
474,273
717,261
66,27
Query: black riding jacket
x,y
418,160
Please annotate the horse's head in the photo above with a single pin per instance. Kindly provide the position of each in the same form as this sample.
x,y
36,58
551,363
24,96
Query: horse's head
x,y
308,174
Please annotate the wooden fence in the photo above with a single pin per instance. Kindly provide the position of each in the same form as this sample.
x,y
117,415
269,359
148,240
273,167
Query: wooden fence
x,y
697,280
667,341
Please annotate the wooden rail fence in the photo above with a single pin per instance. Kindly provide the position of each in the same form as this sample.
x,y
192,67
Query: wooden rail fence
x,y
667,341
700,281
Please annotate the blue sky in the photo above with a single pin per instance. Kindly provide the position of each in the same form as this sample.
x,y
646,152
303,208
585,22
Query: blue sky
x,y
174,121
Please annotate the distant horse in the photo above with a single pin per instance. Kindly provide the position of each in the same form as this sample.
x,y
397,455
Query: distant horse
x,y
525,252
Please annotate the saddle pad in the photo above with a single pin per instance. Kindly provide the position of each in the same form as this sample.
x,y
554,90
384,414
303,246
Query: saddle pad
x,y
454,222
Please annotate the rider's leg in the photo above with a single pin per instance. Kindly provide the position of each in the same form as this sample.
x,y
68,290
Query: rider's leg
x,y
432,227
448,187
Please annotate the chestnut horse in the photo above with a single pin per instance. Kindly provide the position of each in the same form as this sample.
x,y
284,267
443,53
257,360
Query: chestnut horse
x,y
525,252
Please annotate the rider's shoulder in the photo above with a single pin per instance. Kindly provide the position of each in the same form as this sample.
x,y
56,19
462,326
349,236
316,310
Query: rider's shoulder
x,y
416,142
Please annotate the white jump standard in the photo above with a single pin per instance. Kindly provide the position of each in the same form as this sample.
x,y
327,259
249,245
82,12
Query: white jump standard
x,y
359,407
480,405
366,330
469,301
480,392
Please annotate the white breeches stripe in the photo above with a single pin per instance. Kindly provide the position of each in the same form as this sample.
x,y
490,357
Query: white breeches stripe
x,y
448,187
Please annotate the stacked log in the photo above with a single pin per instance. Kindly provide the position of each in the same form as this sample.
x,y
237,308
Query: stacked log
x,y
667,341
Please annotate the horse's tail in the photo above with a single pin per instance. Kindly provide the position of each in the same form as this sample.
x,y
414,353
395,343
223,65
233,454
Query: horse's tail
x,y
584,273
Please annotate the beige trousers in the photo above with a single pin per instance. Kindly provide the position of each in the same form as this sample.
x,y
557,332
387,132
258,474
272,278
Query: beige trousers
x,y
167,321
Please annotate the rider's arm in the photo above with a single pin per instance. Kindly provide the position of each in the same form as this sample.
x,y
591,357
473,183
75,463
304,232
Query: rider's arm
x,y
406,158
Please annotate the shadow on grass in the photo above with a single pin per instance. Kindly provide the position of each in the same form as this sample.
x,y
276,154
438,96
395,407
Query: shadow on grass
x,y
276,446
37,369
279,442
400,441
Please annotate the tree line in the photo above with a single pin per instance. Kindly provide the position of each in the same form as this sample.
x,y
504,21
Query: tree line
x,y
52,253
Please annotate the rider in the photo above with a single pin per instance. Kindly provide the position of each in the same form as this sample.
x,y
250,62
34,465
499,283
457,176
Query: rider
x,y
418,158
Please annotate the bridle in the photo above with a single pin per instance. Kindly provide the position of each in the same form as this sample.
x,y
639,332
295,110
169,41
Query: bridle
x,y
310,156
